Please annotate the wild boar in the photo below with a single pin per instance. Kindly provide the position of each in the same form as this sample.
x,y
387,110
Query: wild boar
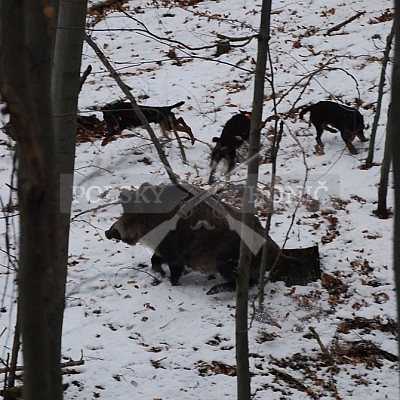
x,y
187,226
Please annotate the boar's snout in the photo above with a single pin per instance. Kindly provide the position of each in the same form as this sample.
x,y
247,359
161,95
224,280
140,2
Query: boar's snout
x,y
113,233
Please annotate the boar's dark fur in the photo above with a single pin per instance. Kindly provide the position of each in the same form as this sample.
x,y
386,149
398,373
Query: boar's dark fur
x,y
186,226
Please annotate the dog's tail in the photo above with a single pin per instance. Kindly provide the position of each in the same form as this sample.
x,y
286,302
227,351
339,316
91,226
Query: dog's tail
x,y
305,110
176,105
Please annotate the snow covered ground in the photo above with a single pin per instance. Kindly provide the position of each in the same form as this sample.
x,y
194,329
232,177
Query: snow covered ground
x,y
144,339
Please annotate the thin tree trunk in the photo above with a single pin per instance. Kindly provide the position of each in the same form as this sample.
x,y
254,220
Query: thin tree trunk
x,y
65,90
385,60
274,156
394,123
28,43
382,210
15,351
242,278
37,189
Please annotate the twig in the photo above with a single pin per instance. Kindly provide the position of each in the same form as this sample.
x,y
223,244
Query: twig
x,y
145,30
157,280
163,326
294,381
6,380
85,75
342,24
94,209
15,350
321,345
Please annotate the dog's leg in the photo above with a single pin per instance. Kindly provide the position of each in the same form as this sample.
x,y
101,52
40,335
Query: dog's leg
x,y
351,147
328,128
319,148
320,130
178,139
180,125
348,138
218,153
164,128
156,264
231,158
211,178
361,136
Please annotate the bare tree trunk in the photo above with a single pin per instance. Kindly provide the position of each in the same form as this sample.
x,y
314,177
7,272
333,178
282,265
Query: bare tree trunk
x,y
370,157
394,124
28,42
382,210
65,90
274,156
242,278
29,102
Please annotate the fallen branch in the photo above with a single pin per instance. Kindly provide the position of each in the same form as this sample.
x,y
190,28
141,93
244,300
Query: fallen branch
x,y
321,345
236,39
342,24
294,382
71,363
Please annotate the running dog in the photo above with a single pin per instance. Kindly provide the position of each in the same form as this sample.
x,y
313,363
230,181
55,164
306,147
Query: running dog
x,y
120,115
347,120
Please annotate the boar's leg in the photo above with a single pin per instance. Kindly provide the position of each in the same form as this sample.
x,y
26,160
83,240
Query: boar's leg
x,y
156,264
176,272
226,268
222,287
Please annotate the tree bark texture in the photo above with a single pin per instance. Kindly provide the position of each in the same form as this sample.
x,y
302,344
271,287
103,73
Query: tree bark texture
x,y
65,90
382,209
385,60
394,126
28,44
242,278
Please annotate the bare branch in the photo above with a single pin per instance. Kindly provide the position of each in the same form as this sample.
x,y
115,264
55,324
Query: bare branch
x,y
85,75
342,24
135,107
146,31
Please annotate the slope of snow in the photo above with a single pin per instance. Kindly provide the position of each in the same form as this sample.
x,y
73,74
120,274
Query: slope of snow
x,y
144,339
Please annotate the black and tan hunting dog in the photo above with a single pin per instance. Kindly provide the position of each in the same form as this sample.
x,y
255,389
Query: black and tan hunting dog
x,y
235,132
120,115
347,120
